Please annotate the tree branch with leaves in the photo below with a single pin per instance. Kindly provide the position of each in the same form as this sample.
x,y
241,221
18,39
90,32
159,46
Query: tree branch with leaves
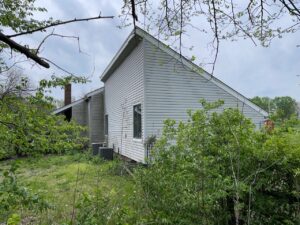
x,y
257,20
18,16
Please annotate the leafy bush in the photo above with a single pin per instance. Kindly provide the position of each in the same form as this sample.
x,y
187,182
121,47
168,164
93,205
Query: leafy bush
x,y
28,128
217,168
27,125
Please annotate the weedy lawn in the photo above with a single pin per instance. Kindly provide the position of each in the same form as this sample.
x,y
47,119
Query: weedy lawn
x,y
63,180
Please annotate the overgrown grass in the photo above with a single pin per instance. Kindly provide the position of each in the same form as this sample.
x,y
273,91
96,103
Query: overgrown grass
x,y
62,180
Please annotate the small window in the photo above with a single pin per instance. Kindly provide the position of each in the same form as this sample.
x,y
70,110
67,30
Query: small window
x,y
106,125
137,121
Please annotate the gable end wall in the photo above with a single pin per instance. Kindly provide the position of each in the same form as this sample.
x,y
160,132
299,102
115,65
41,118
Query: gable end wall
x,y
171,89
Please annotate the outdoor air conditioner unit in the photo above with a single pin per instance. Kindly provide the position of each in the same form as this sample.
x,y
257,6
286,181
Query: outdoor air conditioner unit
x,y
96,146
106,153
103,151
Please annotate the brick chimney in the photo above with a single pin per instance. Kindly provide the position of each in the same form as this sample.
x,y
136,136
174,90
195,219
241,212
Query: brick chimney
x,y
68,94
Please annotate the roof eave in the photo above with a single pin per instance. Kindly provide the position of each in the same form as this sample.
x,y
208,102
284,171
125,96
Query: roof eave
x,y
130,43
65,107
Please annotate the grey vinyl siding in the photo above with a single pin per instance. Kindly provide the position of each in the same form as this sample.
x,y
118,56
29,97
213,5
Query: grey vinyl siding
x,y
124,89
80,113
171,88
90,113
96,118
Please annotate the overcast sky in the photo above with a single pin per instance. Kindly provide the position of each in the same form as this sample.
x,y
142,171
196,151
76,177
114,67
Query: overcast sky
x,y
248,69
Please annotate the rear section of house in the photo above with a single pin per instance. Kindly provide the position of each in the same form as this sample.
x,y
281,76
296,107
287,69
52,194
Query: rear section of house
x,y
88,112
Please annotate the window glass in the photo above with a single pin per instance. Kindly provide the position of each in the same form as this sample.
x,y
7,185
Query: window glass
x,y
137,121
106,124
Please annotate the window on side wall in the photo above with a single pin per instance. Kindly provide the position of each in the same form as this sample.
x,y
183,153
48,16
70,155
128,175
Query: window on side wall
x,y
106,125
137,121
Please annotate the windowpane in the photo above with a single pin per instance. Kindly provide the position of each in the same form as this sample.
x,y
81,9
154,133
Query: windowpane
x,y
106,124
137,121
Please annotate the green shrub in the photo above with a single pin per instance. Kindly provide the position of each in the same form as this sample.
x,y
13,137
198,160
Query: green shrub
x,y
217,168
31,129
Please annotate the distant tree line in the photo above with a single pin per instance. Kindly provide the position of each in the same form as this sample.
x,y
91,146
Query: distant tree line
x,y
279,108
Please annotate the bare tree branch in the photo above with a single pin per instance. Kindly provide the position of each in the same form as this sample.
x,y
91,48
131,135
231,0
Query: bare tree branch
x,y
134,15
216,32
228,19
181,27
261,18
249,11
57,35
12,66
26,51
291,10
60,68
58,23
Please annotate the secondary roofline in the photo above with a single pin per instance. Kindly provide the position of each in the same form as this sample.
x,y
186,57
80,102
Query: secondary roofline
x,y
86,97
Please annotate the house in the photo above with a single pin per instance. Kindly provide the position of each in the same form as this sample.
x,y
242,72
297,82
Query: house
x,y
147,82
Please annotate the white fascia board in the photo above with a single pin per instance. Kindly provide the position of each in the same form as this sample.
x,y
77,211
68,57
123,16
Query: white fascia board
x,y
61,109
116,57
97,91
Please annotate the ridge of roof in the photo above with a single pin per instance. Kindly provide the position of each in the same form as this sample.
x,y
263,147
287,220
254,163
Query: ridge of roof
x,y
95,91
138,34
